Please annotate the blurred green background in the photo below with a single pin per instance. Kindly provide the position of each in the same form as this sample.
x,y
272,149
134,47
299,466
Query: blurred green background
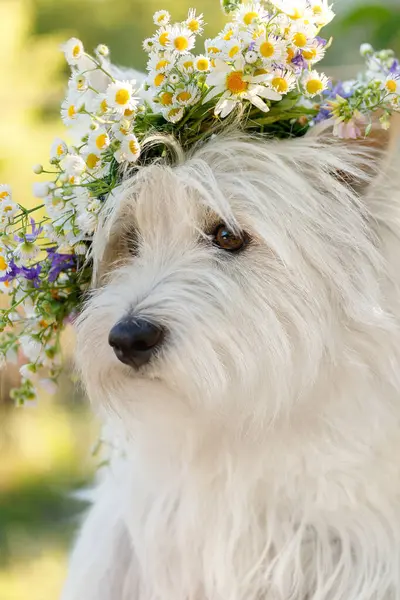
x,y
45,451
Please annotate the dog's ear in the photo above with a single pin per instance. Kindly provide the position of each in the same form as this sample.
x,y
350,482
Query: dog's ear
x,y
377,151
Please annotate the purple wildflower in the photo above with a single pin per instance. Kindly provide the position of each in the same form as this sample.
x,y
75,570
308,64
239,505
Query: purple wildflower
x,y
59,263
30,237
299,61
321,41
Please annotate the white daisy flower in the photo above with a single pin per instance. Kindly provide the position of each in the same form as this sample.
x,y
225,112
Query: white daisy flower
x,y
129,150
213,47
94,206
4,263
195,22
251,57
78,82
41,189
283,81
99,139
161,17
73,165
235,86
157,79
5,192
302,35
87,222
70,110
161,64
249,13
149,44
99,105
6,287
8,208
314,53
295,9
166,98
202,63
120,96
232,49
321,11
93,159
174,78
315,83
187,96
180,39
162,37
186,63
102,51
122,129
25,252
58,150
174,114
271,49
392,84
74,51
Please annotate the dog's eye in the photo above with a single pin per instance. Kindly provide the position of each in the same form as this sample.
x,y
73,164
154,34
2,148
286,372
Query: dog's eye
x,y
225,239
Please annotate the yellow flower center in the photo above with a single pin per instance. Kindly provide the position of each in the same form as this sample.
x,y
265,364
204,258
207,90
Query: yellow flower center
x,y
267,49
7,208
133,147
3,264
158,79
317,10
228,35
161,64
194,25
101,141
314,86
71,111
166,98
213,50
60,150
235,83
188,65
128,112
249,17
391,86
104,105
233,51
280,84
76,51
181,43
296,14
71,180
163,39
92,160
173,112
299,39
290,55
124,129
122,97
184,96
3,195
203,64
160,18
310,54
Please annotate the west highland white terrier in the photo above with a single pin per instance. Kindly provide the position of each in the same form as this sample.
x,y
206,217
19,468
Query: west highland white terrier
x,y
242,344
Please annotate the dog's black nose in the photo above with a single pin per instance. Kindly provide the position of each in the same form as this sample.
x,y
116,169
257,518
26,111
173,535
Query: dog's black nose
x,y
134,341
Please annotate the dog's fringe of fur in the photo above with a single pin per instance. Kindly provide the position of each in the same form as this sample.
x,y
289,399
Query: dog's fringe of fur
x,y
262,444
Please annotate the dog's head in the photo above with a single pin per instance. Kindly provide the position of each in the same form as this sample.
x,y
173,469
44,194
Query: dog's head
x,y
226,281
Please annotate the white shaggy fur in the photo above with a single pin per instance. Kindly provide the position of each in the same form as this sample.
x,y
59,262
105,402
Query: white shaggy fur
x,y
260,450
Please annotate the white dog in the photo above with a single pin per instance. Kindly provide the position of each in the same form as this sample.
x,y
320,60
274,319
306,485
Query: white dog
x,y
243,345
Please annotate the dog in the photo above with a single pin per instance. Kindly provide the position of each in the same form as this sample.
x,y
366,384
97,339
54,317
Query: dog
x,y
242,346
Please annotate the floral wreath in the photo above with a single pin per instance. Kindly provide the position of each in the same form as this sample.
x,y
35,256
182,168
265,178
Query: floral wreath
x,y
260,68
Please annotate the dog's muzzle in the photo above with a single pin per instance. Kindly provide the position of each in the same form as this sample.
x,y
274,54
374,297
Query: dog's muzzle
x,y
135,341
